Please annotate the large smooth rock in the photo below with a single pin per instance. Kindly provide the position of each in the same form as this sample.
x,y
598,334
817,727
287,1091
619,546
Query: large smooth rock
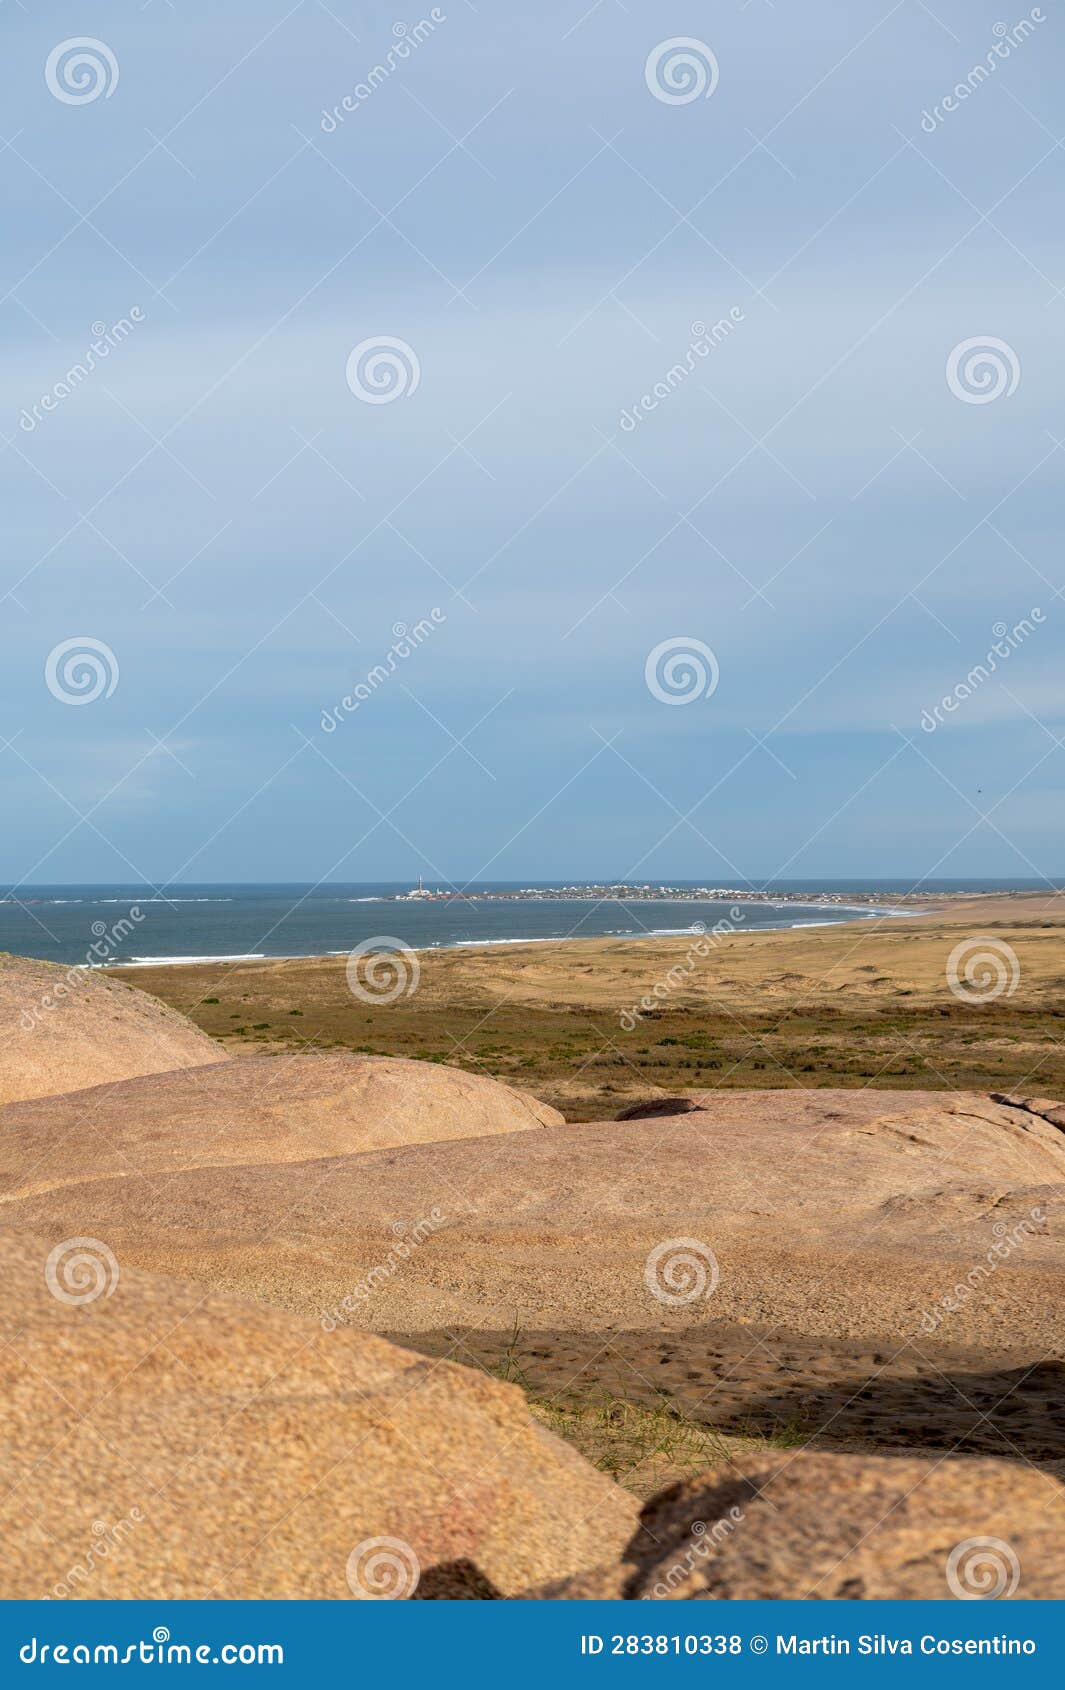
x,y
828,1526
157,1442
759,1213
254,1110
65,1028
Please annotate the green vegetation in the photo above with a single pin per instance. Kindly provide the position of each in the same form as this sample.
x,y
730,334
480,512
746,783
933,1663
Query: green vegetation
x,y
599,1068
846,1006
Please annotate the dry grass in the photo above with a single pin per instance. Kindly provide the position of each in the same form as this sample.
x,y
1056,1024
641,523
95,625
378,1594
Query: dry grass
x,y
639,1445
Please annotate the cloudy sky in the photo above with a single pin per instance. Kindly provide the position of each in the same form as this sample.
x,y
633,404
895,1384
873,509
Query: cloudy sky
x,y
548,208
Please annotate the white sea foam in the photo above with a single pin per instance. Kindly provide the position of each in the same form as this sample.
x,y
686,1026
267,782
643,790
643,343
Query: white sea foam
x,y
173,961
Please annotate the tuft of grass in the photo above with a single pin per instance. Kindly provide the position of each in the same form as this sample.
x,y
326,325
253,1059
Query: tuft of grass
x,y
629,1439
508,1367
640,1445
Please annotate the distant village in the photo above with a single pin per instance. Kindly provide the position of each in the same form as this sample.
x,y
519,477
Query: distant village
x,y
623,892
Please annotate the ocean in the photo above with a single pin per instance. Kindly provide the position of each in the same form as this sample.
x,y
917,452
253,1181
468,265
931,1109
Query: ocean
x,y
138,925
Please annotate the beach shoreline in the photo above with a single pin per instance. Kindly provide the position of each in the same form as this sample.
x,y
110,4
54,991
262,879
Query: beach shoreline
x,y
860,912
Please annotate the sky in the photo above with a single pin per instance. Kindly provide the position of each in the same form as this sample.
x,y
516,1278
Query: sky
x,y
668,626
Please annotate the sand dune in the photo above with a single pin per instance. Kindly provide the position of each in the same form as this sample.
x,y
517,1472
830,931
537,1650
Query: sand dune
x,y
63,1028
157,1443
257,1110
844,1526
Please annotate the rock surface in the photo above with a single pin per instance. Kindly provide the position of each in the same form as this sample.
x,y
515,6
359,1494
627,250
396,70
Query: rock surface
x,y
833,1221
256,1110
867,1270
158,1442
830,1526
63,1028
